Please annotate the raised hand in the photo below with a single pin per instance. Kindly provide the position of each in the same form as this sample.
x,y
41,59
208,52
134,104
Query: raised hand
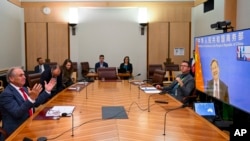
x,y
49,86
35,91
178,79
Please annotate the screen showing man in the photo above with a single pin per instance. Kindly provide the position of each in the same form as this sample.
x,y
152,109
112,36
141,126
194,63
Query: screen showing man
x,y
224,57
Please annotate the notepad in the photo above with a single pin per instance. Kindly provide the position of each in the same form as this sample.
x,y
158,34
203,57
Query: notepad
x,y
58,110
150,90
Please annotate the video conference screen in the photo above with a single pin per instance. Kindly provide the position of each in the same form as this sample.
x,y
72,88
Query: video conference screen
x,y
223,67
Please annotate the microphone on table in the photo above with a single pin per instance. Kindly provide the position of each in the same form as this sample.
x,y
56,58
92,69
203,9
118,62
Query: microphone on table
x,y
72,123
180,107
137,75
72,127
132,77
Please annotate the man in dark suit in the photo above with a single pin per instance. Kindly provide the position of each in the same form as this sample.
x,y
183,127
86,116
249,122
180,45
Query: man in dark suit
x,y
183,85
216,87
101,63
41,67
54,72
17,102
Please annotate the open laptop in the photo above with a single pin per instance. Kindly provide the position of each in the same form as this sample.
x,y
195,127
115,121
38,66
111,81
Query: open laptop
x,y
206,110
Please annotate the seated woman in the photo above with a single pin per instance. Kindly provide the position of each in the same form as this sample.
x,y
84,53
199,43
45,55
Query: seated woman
x,y
126,66
67,70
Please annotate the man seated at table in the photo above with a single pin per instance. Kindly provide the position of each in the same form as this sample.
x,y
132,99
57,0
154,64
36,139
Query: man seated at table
x,y
183,84
54,72
41,67
17,102
101,63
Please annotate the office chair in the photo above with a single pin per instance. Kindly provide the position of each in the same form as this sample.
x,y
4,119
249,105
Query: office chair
x,y
158,77
33,79
190,99
85,68
51,64
152,68
74,74
107,73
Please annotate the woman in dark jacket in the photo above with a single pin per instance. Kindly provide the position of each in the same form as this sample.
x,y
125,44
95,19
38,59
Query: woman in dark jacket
x,y
67,70
126,65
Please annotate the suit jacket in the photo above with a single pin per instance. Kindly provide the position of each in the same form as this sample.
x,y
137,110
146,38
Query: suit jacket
x,y
224,96
14,109
185,90
97,65
46,67
129,67
46,76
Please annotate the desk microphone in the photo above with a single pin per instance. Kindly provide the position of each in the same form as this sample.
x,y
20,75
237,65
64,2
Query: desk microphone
x,y
182,106
72,123
132,77
63,115
137,75
38,139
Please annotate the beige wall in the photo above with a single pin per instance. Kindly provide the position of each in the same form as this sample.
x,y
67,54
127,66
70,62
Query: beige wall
x,y
158,12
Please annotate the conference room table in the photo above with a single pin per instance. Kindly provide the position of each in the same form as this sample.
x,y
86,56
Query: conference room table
x,y
120,75
182,124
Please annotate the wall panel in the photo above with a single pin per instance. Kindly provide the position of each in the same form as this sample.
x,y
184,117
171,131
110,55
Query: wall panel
x,y
158,42
58,43
180,38
36,43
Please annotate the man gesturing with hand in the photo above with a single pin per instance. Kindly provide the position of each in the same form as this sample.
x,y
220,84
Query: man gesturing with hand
x,y
17,102
183,84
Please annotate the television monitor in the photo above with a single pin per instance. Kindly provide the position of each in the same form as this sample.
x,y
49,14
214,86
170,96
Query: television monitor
x,y
231,52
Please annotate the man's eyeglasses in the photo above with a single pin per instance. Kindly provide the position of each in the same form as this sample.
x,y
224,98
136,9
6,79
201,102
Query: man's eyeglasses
x,y
183,65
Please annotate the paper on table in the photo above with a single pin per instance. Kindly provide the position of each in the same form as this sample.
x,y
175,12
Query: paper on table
x,y
152,91
148,88
58,110
138,82
72,88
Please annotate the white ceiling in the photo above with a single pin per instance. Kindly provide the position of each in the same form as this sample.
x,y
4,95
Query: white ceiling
x,y
95,0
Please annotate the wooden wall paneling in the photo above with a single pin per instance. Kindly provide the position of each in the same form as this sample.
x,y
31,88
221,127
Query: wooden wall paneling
x,y
179,38
58,42
169,13
230,12
158,42
36,43
35,14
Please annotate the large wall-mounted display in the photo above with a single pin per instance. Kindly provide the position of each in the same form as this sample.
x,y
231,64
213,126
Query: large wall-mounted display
x,y
222,67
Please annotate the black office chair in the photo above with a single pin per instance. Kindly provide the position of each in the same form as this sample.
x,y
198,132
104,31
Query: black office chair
x,y
190,99
108,73
158,77
85,68
152,68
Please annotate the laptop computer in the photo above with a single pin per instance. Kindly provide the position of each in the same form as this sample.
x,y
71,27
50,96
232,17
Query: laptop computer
x,y
206,110
122,71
